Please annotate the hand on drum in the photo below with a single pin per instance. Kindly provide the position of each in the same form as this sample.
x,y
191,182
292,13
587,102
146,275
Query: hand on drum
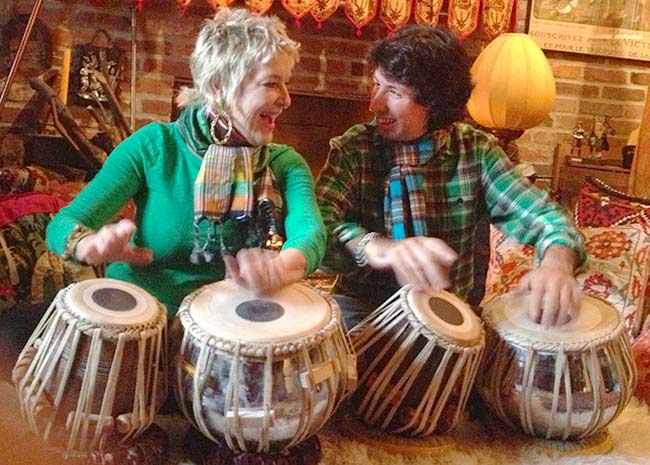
x,y
422,262
111,244
262,270
554,291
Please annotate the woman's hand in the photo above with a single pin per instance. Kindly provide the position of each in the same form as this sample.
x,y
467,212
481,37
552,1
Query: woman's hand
x,y
263,271
554,291
111,244
422,262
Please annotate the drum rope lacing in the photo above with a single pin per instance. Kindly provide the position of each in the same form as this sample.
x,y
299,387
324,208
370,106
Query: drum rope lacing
x,y
331,346
557,429
401,296
383,398
36,367
497,367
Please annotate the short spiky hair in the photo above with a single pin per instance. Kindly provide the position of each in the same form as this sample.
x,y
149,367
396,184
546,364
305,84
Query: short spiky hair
x,y
432,62
227,48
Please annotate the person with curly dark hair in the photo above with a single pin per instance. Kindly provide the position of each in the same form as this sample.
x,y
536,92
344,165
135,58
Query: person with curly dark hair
x,y
401,196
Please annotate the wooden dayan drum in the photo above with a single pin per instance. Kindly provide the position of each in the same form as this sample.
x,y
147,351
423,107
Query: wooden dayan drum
x,y
261,374
563,383
95,366
418,355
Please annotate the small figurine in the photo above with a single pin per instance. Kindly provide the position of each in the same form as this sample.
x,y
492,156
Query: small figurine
x,y
596,137
578,136
608,131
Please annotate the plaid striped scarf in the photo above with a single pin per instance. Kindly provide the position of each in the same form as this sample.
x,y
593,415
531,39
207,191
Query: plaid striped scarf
x,y
234,180
224,185
405,208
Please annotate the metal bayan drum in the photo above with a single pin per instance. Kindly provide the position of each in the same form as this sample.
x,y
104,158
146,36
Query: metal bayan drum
x,y
418,356
261,374
563,383
95,367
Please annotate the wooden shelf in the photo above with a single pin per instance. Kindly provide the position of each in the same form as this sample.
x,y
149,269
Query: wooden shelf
x,y
570,170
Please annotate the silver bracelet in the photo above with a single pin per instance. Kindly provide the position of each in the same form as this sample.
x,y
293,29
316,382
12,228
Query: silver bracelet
x,y
360,249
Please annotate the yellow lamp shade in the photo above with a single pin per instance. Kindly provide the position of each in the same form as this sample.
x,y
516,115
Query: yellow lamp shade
x,y
514,85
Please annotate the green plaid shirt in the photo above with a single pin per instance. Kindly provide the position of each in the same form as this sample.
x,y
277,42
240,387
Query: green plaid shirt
x,y
467,178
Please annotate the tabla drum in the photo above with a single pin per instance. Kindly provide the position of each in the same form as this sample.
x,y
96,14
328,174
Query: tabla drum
x,y
418,355
563,383
95,366
261,374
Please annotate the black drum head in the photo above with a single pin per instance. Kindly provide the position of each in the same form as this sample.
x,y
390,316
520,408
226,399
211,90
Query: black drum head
x,y
114,299
260,310
446,311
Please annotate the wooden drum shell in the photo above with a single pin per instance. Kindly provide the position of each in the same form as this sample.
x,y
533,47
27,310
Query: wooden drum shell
x,y
413,378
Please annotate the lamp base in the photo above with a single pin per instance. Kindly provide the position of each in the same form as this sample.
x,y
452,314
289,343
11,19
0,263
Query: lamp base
x,y
506,138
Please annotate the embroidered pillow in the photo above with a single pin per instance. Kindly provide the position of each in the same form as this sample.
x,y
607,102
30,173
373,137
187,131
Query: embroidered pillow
x,y
600,205
17,180
616,268
29,272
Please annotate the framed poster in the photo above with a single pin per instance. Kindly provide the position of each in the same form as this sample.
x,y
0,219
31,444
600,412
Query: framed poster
x,y
613,28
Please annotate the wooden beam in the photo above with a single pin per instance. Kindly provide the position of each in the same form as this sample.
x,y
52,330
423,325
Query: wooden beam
x,y
19,54
640,172
93,156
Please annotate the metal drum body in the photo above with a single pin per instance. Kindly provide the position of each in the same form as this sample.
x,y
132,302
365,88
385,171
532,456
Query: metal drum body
x,y
418,355
261,374
563,383
95,366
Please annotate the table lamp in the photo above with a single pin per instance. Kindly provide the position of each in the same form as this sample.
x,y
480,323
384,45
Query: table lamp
x,y
514,87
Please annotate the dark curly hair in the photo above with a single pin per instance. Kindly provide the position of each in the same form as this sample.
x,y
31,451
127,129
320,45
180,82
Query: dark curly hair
x,y
432,62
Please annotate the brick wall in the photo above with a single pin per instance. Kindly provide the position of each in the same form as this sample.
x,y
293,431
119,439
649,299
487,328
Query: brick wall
x,y
332,65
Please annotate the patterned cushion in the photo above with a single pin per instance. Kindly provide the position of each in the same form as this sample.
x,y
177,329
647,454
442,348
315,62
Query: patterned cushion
x,y
616,268
29,272
600,205
13,207
16,180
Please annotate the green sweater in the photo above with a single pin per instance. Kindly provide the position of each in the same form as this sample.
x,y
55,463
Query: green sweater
x,y
156,169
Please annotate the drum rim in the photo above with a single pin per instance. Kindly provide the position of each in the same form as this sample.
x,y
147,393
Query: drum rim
x,y
259,349
418,320
511,337
109,331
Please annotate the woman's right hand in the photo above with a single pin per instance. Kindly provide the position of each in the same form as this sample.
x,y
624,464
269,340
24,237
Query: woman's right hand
x,y
422,262
111,244
263,271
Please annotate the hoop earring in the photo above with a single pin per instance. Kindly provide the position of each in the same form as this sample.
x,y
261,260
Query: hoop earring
x,y
228,127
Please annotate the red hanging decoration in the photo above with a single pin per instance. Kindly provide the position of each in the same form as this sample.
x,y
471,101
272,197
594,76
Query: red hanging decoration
x,y
323,9
360,12
462,17
497,16
258,6
297,8
183,4
217,4
395,13
427,12
138,5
